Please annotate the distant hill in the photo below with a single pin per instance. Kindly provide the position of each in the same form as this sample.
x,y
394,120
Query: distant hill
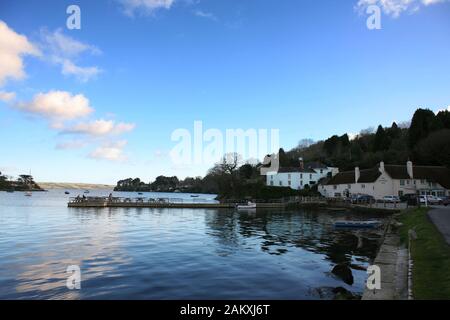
x,y
73,185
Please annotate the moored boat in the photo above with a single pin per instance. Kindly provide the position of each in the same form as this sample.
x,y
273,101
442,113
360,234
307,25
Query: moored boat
x,y
248,206
369,224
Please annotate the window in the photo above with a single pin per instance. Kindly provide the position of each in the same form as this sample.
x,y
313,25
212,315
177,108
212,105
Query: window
x,y
407,182
349,186
301,182
281,183
271,183
310,176
321,171
363,186
402,182
423,181
301,175
289,182
271,177
415,182
289,176
400,193
335,187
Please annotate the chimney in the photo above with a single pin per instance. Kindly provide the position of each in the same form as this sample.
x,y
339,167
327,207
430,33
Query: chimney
x,y
302,165
357,174
409,168
382,167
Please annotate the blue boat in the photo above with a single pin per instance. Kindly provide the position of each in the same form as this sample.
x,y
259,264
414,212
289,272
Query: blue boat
x,y
370,224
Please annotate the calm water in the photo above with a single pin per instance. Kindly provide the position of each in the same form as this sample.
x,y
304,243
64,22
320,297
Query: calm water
x,y
171,253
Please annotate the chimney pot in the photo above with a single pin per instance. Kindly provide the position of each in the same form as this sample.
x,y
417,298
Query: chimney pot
x,y
409,168
357,174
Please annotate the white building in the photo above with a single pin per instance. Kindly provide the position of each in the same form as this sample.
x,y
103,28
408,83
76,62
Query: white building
x,y
298,178
389,180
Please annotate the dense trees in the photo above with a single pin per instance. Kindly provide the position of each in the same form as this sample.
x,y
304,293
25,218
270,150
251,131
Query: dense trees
x,y
420,142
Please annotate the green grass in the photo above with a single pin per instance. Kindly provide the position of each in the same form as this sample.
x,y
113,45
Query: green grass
x,y
431,256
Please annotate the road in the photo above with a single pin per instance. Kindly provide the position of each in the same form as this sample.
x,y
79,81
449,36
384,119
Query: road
x,y
440,216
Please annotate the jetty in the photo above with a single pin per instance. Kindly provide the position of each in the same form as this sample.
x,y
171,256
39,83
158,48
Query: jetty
x,y
140,202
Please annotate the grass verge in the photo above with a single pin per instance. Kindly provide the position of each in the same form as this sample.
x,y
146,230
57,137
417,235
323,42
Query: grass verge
x,y
431,256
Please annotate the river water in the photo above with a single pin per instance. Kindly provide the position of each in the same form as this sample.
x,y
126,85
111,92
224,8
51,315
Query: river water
x,y
173,253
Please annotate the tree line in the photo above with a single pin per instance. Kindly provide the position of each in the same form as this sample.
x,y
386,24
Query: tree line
x,y
24,182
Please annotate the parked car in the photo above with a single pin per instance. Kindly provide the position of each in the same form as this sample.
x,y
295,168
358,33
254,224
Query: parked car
x,y
362,198
365,198
446,201
391,199
433,200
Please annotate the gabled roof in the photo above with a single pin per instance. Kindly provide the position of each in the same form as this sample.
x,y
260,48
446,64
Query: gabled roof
x,y
348,177
293,169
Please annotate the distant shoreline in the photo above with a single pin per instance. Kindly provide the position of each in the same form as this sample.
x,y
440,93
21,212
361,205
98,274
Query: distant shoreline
x,y
73,185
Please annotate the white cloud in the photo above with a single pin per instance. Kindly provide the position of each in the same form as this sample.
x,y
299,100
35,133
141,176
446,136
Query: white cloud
x,y
69,145
64,50
395,8
149,6
7,96
57,106
13,47
206,15
83,74
112,151
100,128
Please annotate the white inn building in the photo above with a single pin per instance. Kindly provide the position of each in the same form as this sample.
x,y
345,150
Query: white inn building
x,y
389,180
298,178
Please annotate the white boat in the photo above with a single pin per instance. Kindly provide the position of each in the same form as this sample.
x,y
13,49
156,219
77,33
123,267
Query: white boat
x,y
248,206
28,194
357,224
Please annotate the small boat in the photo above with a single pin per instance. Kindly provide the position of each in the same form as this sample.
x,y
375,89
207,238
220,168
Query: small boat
x,y
369,224
140,193
248,206
28,194
194,196
86,191
67,192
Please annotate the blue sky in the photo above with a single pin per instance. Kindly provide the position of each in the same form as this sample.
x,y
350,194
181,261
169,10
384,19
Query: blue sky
x,y
133,75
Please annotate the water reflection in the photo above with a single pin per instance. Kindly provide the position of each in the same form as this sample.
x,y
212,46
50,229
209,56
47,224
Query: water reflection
x,y
129,253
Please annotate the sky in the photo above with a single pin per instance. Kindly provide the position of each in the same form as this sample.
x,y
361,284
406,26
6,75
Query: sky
x,y
101,103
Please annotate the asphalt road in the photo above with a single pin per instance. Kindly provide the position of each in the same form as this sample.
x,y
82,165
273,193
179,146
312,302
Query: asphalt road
x,y
440,216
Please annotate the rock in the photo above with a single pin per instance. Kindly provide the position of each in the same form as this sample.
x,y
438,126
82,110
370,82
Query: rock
x,y
343,272
342,294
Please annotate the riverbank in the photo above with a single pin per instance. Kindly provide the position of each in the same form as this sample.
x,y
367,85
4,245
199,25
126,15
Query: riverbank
x,y
430,255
